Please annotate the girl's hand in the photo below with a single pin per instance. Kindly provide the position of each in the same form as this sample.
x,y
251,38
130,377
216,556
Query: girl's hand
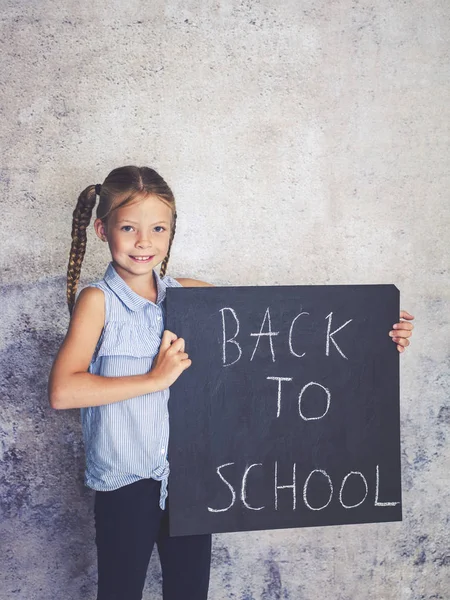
x,y
402,330
170,361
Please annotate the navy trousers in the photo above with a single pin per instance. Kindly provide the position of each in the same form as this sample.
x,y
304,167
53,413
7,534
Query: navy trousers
x,y
128,522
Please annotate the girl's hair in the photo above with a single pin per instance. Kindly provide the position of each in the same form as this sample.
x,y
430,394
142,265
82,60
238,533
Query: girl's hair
x,y
121,186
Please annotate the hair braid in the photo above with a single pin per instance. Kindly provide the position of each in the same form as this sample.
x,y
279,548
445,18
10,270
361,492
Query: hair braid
x,y
81,219
165,262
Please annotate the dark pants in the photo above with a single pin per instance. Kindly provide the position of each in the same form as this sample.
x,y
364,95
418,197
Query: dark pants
x,y
128,522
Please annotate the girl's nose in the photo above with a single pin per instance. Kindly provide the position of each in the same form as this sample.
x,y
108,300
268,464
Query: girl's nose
x,y
143,242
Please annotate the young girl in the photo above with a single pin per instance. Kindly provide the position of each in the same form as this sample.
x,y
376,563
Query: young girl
x,y
116,364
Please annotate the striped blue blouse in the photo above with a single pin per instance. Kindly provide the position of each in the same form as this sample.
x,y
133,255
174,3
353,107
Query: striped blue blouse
x,y
127,440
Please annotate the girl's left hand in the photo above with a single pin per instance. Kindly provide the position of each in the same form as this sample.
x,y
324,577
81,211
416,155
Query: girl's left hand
x,y
402,331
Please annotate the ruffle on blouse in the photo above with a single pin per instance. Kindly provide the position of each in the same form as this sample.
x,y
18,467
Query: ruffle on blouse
x,y
119,338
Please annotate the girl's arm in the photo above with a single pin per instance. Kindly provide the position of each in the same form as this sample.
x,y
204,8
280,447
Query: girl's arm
x,y
71,386
186,282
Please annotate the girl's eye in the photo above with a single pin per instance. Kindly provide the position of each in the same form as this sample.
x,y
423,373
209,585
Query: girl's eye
x,y
158,228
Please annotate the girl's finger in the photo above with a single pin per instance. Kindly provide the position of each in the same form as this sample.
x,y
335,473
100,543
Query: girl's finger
x,y
401,341
403,325
167,339
400,348
404,333
404,314
178,345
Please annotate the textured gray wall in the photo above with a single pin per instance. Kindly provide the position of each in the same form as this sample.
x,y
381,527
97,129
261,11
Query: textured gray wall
x,y
306,142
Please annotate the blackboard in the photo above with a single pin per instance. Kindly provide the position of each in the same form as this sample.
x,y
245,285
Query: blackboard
x,y
289,413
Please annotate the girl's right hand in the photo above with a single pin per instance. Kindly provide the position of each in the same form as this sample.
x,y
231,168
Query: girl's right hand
x,y
170,361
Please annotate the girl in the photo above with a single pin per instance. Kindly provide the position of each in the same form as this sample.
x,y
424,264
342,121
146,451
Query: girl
x,y
116,364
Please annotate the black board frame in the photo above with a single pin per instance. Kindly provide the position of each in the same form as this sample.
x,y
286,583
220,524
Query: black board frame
x,y
194,314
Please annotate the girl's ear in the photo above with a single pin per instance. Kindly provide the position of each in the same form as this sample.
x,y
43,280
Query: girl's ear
x,y
100,229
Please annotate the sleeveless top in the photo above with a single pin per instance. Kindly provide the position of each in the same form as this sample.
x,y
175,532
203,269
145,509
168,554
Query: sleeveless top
x,y
127,440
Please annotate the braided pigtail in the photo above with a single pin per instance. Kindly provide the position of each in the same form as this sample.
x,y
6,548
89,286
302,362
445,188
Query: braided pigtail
x,y
165,262
81,219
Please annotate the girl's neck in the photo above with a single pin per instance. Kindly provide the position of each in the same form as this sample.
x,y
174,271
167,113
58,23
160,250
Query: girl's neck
x,y
143,285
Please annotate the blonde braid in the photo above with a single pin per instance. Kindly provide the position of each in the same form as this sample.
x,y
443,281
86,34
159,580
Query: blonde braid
x,y
165,262
81,219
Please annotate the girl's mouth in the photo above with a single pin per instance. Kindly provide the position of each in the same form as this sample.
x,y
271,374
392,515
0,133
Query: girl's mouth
x,y
142,259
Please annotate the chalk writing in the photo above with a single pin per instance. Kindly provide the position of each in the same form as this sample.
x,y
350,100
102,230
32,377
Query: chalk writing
x,y
270,334
310,481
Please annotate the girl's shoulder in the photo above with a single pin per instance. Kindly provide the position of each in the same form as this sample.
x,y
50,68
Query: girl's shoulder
x,y
93,290
186,282
90,295
90,307
93,299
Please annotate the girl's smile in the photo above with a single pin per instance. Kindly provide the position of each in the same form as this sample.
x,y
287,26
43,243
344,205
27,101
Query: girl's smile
x,y
142,258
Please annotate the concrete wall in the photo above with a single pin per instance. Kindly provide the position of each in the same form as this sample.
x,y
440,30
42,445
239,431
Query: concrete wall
x,y
306,142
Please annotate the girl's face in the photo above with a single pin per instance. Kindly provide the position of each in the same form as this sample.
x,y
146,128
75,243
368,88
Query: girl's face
x,y
138,235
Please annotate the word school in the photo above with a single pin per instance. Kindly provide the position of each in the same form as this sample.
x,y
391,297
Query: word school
x,y
313,477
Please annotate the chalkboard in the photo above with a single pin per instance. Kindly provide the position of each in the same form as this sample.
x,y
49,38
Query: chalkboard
x,y
289,413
